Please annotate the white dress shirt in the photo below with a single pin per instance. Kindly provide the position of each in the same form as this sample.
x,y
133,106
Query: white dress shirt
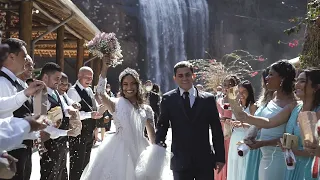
x,y
54,132
10,99
73,94
12,132
192,94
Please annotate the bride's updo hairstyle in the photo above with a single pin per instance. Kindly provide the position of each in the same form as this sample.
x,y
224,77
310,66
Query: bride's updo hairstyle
x,y
135,75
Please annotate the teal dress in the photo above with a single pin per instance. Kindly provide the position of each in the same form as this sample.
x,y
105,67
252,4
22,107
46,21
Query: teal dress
x,y
302,170
254,157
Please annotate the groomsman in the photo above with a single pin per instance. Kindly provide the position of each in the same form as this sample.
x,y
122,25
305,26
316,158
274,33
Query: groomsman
x,y
80,146
53,162
19,106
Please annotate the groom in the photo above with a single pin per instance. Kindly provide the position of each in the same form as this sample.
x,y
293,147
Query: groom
x,y
190,113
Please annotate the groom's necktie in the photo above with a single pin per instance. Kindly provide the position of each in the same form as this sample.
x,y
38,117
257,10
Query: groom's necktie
x,y
186,101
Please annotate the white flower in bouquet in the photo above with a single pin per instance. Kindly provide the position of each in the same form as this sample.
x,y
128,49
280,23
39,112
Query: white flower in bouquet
x,y
106,44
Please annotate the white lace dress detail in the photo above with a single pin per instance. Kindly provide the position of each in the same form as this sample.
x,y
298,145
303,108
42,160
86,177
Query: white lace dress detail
x,y
117,156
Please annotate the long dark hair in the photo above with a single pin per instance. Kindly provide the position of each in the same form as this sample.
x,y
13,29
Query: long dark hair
x,y
287,72
135,75
250,99
314,76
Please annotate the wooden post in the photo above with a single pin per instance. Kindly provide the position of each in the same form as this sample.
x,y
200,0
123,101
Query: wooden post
x,y
60,47
80,54
97,63
25,20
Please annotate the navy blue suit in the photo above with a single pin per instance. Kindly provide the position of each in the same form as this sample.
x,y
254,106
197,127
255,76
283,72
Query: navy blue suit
x,y
192,154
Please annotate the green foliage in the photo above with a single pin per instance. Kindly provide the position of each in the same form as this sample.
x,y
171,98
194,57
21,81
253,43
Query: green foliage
x,y
311,18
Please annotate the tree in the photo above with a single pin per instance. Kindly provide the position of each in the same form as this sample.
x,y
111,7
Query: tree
x,y
310,55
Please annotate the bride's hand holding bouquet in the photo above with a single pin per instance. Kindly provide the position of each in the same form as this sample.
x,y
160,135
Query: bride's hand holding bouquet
x,y
107,47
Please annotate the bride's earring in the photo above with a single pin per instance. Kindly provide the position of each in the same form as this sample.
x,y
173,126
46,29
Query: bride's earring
x,y
281,83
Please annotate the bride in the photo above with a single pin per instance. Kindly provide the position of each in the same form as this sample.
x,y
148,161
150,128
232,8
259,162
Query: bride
x,y
118,154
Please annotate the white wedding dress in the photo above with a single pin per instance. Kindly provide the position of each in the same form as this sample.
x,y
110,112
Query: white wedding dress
x,y
118,155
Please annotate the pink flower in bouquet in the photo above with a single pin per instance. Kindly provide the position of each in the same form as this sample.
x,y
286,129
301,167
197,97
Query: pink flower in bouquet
x,y
106,44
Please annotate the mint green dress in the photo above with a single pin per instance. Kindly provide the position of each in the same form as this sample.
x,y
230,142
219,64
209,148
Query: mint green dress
x,y
302,170
254,157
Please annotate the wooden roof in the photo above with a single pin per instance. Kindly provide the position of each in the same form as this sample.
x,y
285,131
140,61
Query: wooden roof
x,y
47,14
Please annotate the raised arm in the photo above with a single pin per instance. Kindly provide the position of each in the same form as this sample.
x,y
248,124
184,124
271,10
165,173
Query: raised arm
x,y
106,100
277,120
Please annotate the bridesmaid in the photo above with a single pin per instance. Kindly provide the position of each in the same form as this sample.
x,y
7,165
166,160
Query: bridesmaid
x,y
229,82
254,156
236,164
281,78
308,91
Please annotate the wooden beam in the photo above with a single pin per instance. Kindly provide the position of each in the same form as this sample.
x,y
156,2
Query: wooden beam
x,y
59,47
34,28
66,41
25,21
80,54
42,10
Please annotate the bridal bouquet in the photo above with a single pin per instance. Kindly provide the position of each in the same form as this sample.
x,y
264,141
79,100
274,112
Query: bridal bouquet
x,y
106,44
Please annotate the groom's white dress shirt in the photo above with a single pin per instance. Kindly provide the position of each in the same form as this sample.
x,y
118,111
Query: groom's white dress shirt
x,y
192,94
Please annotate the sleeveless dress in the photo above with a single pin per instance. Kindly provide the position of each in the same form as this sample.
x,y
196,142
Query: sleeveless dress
x,y
236,164
272,164
302,170
254,156
118,154
223,173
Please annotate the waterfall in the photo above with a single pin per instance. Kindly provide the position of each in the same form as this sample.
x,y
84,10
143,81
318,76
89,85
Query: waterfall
x,y
174,30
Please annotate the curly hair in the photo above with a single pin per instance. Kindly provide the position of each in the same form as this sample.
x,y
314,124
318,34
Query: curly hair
x,y
313,76
135,75
288,74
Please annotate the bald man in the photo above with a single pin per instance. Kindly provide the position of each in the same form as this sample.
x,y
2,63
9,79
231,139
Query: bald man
x,y
80,146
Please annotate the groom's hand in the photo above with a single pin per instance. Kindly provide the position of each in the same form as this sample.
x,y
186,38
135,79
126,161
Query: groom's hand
x,y
219,166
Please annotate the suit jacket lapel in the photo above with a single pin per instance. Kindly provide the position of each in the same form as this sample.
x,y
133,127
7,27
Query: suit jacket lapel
x,y
180,103
198,104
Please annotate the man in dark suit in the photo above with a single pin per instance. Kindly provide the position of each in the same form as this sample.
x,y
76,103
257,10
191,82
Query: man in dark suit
x,y
190,113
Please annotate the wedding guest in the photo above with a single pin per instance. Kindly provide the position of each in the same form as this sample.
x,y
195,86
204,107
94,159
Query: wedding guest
x,y
53,162
229,82
307,90
21,106
153,99
280,79
254,155
236,164
80,146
